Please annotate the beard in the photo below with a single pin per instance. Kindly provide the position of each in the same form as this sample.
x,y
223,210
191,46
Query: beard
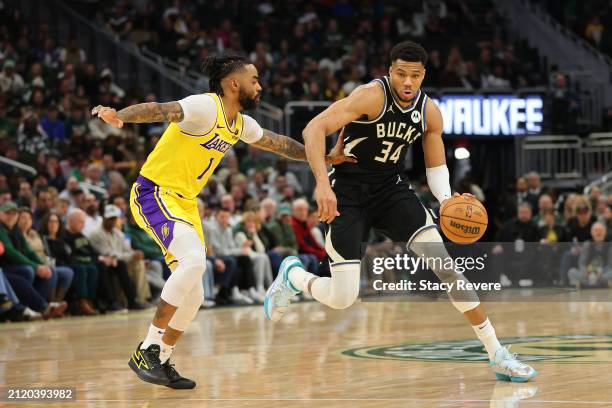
x,y
247,102
91,210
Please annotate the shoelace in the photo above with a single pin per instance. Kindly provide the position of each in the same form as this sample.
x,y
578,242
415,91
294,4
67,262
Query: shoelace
x,y
172,370
511,359
153,358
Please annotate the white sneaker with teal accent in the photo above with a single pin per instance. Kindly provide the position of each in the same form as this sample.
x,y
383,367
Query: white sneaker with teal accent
x,y
508,368
279,294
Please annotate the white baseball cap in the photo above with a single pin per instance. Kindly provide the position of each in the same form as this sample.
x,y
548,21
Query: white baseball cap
x,y
111,211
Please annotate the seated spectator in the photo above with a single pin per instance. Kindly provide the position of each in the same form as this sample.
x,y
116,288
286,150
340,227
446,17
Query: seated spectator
x,y
551,230
31,138
248,235
229,204
84,262
579,226
595,262
11,307
307,243
93,221
25,197
19,259
53,126
281,229
116,253
27,275
282,169
141,241
569,207
550,252
220,270
32,307
519,231
44,204
315,227
63,274
11,83
222,242
545,204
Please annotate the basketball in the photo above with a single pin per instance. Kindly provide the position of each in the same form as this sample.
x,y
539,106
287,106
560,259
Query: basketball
x,y
463,220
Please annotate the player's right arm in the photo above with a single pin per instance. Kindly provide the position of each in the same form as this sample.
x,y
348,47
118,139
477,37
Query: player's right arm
x,y
141,113
364,100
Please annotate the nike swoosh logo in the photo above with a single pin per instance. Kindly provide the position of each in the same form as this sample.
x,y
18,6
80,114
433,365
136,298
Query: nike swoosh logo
x,y
351,145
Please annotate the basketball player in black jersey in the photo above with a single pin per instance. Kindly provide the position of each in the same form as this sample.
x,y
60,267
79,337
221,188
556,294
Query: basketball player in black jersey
x,y
379,121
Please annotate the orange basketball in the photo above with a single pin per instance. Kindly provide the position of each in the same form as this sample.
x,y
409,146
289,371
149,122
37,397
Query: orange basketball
x,y
463,220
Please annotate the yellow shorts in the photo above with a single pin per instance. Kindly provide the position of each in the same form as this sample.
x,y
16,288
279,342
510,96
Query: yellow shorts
x,y
157,210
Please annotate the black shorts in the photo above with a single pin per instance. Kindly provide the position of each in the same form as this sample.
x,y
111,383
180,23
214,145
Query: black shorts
x,y
391,207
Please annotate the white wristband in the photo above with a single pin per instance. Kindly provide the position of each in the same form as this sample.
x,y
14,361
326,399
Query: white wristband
x,y
438,180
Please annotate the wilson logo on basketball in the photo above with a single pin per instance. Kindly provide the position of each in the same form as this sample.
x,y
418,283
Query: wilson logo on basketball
x,y
465,228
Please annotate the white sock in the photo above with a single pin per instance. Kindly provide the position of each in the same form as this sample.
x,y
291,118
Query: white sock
x,y
166,352
299,278
486,334
153,337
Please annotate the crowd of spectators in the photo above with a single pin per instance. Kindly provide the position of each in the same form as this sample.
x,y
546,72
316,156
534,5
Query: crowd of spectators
x,y
590,20
327,48
68,243
555,238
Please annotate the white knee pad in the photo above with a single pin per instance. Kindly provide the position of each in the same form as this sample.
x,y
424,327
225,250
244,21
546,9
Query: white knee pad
x,y
463,307
189,309
341,290
191,256
463,301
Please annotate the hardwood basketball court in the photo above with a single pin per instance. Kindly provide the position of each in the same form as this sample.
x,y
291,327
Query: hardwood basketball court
x,y
375,354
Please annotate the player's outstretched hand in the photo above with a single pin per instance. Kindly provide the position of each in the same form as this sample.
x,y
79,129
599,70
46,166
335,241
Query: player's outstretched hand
x,y
108,115
337,156
326,203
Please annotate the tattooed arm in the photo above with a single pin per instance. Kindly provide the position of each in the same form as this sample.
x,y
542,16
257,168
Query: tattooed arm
x,y
292,149
141,113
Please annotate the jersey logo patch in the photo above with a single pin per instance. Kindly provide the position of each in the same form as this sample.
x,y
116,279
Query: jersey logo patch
x,y
217,144
391,109
165,231
415,116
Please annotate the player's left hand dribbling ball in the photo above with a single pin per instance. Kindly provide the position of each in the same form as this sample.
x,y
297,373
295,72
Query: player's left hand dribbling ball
x,y
463,219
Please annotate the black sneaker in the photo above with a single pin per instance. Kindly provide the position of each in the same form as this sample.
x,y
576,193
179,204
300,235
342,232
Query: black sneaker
x,y
177,381
146,365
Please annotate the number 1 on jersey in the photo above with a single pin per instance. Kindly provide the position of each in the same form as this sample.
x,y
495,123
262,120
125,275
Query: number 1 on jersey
x,y
386,150
206,169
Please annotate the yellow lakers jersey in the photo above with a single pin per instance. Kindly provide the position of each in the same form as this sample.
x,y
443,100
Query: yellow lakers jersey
x,y
183,161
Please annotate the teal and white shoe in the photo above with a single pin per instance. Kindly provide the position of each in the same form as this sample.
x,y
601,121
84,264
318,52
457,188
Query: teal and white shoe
x,y
508,368
279,294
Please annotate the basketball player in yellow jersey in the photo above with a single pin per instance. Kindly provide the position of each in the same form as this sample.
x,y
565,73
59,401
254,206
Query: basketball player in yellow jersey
x,y
163,199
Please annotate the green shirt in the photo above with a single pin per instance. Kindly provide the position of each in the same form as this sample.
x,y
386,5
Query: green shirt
x,y
283,235
142,241
13,256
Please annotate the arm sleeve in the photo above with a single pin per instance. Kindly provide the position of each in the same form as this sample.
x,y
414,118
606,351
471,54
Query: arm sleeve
x,y
199,114
438,181
251,131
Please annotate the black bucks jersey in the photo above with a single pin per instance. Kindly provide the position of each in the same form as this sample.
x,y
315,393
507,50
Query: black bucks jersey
x,y
380,145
